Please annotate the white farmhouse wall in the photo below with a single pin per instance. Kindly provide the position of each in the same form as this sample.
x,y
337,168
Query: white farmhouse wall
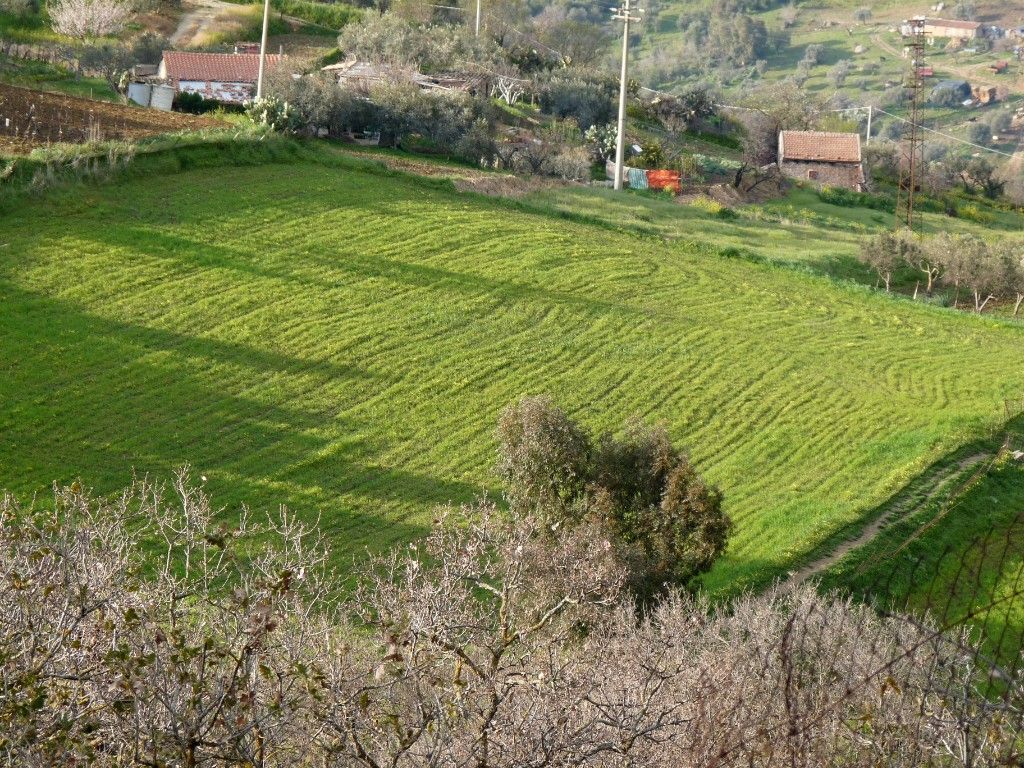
x,y
234,93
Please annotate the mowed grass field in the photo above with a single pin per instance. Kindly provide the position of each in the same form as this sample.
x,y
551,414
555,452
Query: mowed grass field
x,y
959,558
341,341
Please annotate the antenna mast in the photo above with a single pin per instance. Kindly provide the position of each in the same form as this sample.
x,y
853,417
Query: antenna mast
x,y
914,39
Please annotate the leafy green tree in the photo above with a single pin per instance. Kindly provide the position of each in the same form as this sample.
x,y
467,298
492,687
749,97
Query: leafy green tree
x,y
1011,253
862,15
978,173
886,253
543,458
665,522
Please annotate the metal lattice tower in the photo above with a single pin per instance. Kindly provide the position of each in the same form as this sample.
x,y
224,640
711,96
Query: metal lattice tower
x,y
910,168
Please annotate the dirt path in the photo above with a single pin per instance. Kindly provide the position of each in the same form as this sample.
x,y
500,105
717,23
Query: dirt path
x,y
197,21
903,506
969,74
886,46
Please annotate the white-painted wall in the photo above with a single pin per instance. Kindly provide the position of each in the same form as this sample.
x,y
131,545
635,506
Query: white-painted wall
x,y
233,93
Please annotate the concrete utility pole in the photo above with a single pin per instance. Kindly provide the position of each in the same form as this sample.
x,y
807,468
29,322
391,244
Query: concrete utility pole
x,y
871,112
478,18
623,14
263,49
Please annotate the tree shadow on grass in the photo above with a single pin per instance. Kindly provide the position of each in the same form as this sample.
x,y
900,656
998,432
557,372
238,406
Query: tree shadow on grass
x,y
93,398
192,253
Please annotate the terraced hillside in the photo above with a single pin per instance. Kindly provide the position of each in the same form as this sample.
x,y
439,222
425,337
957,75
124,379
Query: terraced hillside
x,y
342,340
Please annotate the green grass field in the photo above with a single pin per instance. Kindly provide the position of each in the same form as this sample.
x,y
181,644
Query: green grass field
x,y
957,556
797,230
48,77
341,340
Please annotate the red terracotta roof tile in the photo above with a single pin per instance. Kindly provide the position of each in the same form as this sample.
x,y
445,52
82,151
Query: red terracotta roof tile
x,y
822,147
953,23
215,67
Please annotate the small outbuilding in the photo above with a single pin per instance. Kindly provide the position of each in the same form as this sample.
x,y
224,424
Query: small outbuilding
x,y
823,158
954,29
227,77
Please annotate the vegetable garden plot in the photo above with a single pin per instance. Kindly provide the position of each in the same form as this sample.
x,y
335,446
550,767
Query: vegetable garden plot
x,y
31,119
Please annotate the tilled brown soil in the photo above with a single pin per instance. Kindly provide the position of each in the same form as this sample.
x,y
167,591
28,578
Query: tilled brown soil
x,y
30,118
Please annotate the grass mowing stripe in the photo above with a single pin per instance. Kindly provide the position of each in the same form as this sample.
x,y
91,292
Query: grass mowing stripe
x,y
342,341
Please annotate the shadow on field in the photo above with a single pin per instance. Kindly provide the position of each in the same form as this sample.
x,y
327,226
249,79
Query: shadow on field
x,y
192,253
116,396
938,484
956,554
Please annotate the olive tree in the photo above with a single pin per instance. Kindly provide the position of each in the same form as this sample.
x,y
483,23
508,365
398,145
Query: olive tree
x,y
887,252
1011,253
985,275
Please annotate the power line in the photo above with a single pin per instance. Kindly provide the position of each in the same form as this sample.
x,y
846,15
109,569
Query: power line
x,y
948,136
853,109
505,24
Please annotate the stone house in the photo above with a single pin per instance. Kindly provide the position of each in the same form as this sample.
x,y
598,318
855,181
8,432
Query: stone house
x,y
824,159
226,77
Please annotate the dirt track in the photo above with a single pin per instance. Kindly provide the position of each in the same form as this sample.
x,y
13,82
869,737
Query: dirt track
x,y
902,507
197,21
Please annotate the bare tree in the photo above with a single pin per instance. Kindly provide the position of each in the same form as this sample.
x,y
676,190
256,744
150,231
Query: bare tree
x,y
474,629
89,19
496,642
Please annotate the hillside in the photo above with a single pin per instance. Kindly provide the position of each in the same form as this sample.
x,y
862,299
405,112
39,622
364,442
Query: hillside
x,y
341,339
857,39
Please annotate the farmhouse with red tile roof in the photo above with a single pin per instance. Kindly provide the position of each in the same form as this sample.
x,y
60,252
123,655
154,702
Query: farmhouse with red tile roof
x,y
227,77
825,159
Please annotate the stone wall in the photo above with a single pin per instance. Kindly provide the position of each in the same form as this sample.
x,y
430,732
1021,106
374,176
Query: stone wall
x,y
848,175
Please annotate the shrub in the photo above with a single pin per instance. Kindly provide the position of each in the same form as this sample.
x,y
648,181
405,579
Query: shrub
x,y
651,155
848,198
602,140
972,212
275,114
477,144
18,8
571,164
587,101
665,523
690,170
713,207
194,103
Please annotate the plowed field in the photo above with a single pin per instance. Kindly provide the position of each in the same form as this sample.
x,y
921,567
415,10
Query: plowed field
x,y
31,118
